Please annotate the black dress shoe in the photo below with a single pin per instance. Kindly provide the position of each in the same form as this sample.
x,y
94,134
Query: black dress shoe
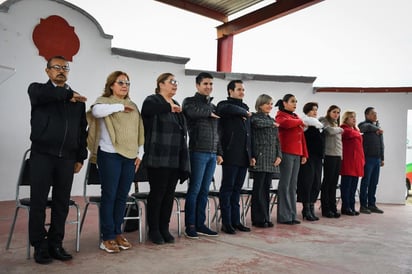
x,y
59,253
328,214
375,209
228,229
242,228
296,222
260,224
348,212
167,237
156,237
336,215
356,212
270,224
42,256
286,223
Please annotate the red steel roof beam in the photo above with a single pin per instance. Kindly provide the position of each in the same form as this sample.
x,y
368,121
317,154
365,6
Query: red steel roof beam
x,y
224,53
262,16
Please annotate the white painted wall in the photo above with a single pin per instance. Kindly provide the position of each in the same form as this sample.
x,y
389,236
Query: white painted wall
x,y
94,62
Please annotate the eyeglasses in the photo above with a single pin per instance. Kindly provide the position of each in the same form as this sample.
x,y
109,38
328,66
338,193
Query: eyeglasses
x,y
173,82
122,83
58,68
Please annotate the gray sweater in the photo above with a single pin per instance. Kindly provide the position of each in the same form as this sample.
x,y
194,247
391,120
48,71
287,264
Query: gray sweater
x,y
333,138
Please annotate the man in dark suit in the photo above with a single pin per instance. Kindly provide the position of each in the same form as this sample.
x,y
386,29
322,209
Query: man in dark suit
x,y
58,135
235,138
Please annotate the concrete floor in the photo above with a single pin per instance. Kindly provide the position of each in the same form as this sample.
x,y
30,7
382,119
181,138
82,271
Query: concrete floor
x,y
363,244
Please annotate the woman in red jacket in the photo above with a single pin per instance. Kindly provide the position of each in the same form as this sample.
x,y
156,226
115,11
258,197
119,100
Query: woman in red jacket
x,y
294,151
352,162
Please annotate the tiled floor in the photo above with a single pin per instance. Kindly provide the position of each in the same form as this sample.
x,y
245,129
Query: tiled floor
x,y
363,244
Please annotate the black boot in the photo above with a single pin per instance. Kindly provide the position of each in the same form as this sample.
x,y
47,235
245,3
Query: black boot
x,y
304,211
167,237
306,214
312,211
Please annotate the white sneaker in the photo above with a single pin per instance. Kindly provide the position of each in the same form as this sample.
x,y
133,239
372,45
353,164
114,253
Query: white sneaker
x,y
110,246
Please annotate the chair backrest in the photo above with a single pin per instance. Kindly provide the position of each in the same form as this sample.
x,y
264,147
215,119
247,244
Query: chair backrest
x,y
213,184
140,176
275,176
92,174
24,178
91,178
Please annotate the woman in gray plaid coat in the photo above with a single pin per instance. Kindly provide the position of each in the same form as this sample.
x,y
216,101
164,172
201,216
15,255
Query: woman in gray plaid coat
x,y
267,156
166,155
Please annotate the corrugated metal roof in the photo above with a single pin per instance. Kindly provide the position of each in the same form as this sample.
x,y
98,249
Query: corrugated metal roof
x,y
227,7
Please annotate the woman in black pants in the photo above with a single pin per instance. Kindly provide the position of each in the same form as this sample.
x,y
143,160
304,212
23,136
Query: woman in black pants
x,y
266,159
332,161
166,155
309,178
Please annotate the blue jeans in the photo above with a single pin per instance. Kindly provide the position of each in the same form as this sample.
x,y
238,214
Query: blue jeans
x,y
203,165
348,186
116,175
233,178
370,181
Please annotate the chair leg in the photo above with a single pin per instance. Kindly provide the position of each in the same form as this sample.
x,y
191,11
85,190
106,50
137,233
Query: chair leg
x,y
100,231
126,218
77,227
273,198
84,216
140,225
12,228
246,208
12,232
215,217
28,239
208,213
242,214
146,223
179,232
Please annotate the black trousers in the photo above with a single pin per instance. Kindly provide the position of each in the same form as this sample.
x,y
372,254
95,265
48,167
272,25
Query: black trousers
x,y
163,183
49,171
233,178
331,169
309,180
261,197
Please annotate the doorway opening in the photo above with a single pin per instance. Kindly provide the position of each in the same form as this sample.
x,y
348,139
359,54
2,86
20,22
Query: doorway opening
x,y
408,167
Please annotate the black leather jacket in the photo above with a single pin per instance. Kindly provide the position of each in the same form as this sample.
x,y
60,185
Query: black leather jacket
x,y
202,128
58,126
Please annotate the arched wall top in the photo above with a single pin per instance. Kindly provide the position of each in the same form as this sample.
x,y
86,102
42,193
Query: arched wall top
x,y
5,6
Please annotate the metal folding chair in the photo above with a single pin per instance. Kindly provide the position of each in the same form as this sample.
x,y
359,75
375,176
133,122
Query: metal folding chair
x,y
23,181
246,195
92,179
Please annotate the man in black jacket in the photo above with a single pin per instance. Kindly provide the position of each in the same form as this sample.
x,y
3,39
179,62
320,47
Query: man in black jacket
x,y
58,136
374,158
203,147
235,138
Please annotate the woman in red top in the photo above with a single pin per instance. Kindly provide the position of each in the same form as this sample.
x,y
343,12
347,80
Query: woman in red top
x,y
352,162
293,147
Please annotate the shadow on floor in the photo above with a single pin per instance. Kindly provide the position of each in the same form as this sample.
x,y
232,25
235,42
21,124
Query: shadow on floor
x,y
364,244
